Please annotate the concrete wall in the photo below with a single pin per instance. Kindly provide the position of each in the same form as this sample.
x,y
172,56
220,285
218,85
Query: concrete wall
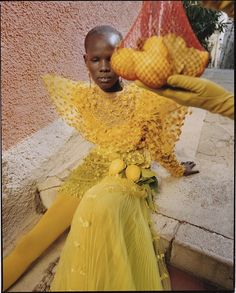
x,y
216,44
226,60
37,38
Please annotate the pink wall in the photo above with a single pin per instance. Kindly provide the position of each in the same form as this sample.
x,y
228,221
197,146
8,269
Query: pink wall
x,y
41,37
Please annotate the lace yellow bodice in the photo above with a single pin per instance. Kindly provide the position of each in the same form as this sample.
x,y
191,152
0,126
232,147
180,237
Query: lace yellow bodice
x,y
132,123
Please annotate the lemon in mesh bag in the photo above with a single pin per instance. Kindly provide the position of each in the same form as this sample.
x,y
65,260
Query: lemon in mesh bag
x,y
157,59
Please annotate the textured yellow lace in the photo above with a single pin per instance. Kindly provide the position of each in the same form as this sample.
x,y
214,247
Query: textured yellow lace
x,y
133,124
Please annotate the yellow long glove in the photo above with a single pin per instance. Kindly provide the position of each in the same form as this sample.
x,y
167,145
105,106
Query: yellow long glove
x,y
197,92
52,224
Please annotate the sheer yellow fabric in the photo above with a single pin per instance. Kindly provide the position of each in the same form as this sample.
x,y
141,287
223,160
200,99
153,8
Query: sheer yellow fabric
x,y
110,245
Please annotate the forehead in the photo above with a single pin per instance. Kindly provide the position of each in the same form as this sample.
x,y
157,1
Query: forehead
x,y
98,43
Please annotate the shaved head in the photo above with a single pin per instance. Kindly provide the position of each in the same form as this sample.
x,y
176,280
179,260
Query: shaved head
x,y
100,44
106,32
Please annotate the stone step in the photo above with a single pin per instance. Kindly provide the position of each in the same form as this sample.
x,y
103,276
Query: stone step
x,y
204,254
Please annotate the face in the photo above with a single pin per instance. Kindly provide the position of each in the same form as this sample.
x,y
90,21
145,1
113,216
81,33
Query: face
x,y
97,59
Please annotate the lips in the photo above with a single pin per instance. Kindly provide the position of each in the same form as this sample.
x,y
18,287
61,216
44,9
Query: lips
x,y
104,79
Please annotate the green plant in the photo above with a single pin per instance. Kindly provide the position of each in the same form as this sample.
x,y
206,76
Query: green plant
x,y
204,21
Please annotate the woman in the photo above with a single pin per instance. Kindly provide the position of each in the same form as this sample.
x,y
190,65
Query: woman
x,y
110,245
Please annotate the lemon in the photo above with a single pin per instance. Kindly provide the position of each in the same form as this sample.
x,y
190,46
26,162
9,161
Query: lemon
x,y
133,172
123,63
116,167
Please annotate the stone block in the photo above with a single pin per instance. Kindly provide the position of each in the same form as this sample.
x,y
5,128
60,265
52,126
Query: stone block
x,y
63,175
50,182
206,255
48,196
69,157
166,227
186,147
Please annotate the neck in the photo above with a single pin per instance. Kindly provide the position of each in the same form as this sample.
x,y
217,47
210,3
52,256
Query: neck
x,y
117,87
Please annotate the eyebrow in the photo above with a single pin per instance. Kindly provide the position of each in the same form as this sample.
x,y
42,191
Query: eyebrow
x,y
99,53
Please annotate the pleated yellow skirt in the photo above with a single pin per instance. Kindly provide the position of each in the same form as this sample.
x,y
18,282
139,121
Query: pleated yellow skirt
x,y
109,246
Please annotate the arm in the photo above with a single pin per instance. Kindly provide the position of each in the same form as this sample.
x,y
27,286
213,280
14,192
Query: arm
x,y
52,224
172,165
197,92
168,133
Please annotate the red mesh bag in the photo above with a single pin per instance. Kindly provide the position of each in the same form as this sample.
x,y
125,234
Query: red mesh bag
x,y
160,43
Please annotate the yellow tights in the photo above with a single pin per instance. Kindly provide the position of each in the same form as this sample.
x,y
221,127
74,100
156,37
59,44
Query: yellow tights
x,y
52,224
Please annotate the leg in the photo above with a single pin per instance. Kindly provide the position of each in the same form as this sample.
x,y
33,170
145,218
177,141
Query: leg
x,y
55,221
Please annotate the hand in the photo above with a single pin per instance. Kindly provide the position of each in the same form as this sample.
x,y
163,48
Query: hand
x,y
197,92
188,168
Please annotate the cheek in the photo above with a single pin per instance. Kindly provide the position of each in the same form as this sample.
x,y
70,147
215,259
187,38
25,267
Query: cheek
x,y
92,68
115,76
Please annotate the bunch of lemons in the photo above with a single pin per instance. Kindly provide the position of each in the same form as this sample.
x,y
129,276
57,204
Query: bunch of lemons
x,y
158,58
132,172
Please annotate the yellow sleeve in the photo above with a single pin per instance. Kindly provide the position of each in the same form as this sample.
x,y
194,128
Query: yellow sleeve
x,y
163,131
172,122
67,95
170,162
197,92
226,108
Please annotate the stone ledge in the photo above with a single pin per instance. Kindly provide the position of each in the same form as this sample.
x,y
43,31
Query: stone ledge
x,y
50,182
202,266
198,252
167,228
204,254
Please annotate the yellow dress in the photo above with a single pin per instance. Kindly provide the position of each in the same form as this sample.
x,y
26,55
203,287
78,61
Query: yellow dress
x,y
110,243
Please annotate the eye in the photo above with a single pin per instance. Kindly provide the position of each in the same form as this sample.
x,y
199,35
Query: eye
x,y
94,59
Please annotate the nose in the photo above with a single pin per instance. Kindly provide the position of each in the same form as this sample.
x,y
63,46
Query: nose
x,y
105,66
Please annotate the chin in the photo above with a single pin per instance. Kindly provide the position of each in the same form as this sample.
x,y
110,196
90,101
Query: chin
x,y
106,86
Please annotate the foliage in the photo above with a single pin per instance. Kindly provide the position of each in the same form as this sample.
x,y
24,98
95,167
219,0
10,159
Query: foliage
x,y
204,21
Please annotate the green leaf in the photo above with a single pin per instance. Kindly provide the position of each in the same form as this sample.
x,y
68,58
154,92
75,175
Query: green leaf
x,y
147,173
147,180
203,21
154,185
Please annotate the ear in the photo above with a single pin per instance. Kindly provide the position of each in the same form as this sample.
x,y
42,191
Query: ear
x,y
85,58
